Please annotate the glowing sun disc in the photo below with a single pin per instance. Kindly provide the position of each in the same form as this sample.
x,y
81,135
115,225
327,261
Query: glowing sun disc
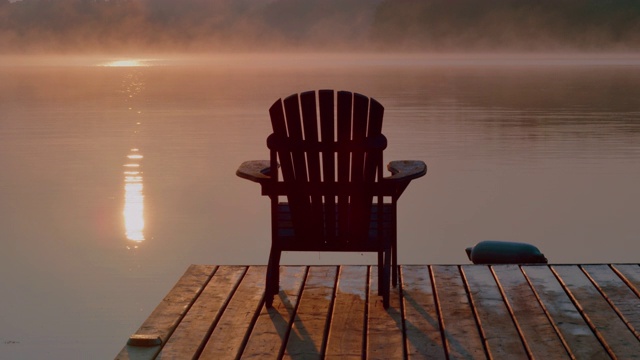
x,y
125,63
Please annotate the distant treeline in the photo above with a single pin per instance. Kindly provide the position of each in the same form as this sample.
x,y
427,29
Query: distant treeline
x,y
210,25
511,24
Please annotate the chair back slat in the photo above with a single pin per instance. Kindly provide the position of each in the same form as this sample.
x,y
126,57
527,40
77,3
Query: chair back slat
x,y
294,129
344,153
360,209
310,122
360,117
310,125
327,131
372,164
345,106
300,203
276,112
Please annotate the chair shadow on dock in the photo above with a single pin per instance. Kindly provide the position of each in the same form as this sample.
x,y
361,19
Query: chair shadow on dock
x,y
286,334
425,345
438,311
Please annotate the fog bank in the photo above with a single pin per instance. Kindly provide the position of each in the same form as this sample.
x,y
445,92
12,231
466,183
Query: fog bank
x,y
318,25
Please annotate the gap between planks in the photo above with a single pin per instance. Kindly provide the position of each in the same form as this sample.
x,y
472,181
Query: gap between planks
x,y
438,311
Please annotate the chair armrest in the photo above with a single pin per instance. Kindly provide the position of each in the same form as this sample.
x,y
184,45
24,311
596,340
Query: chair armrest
x,y
255,170
406,170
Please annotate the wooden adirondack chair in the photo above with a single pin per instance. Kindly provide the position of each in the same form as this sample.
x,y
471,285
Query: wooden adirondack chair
x,y
332,196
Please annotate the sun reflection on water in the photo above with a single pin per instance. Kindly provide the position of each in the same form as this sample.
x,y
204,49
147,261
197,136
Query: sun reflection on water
x,y
126,63
133,200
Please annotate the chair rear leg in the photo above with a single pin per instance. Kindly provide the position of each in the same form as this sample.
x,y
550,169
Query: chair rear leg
x,y
268,293
386,279
272,286
380,272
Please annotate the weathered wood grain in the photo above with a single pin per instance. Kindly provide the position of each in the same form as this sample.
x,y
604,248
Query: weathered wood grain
x,y
346,333
422,326
500,333
198,323
166,316
441,311
618,294
463,340
610,329
541,338
226,340
384,327
573,330
270,331
406,170
254,170
630,273
307,335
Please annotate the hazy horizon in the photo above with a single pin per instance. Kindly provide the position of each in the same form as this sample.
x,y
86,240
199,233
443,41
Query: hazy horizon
x,y
525,111
194,26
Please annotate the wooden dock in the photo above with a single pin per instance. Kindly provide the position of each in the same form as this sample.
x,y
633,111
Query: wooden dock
x,y
437,312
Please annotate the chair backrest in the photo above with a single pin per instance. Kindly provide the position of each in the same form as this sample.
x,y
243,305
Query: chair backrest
x,y
329,147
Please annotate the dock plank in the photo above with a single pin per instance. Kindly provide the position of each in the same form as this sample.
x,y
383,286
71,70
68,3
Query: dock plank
x,y
462,336
574,331
270,331
197,324
630,274
501,335
422,326
609,328
541,338
166,316
438,311
226,340
346,335
307,336
384,326
617,293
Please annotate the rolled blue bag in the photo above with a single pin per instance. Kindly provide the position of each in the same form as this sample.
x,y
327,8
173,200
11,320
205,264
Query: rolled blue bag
x,y
505,252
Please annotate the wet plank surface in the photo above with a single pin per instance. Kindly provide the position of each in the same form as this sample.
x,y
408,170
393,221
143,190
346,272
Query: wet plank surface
x,y
437,312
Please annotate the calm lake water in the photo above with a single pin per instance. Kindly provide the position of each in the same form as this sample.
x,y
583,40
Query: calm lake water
x,y
116,175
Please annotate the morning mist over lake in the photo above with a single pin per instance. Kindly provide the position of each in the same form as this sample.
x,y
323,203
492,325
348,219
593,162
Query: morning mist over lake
x,y
122,124
107,26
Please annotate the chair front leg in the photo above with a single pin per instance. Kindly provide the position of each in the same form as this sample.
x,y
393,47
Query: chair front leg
x,y
394,245
394,262
273,276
